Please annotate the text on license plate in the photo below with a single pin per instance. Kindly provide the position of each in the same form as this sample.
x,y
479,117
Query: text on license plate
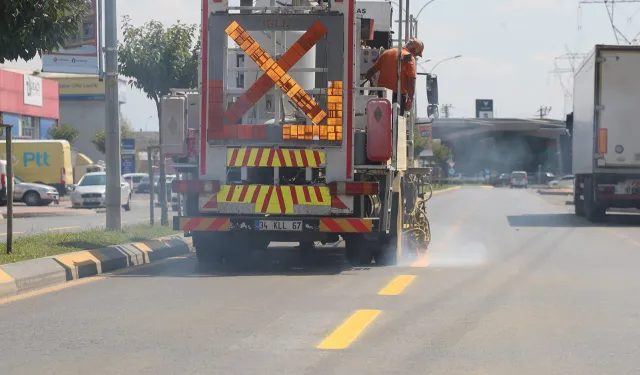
x,y
286,225
92,200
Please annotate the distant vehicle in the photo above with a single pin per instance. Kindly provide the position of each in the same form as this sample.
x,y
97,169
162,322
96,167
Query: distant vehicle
x,y
91,192
504,179
565,182
519,179
145,185
34,194
46,162
134,179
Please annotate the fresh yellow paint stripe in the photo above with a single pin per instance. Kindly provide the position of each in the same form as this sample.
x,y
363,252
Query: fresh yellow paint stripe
x,y
344,335
5,277
397,285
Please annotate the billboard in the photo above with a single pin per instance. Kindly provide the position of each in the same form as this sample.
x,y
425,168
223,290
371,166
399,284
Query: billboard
x,y
80,54
128,155
484,108
86,88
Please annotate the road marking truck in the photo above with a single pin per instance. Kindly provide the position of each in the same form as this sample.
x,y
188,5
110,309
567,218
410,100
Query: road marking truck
x,y
604,131
286,144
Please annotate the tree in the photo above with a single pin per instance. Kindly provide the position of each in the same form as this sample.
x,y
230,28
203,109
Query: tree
x,y
64,131
29,27
158,58
100,138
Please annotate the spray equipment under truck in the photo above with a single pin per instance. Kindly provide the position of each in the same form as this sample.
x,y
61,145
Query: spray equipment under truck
x,y
302,152
604,131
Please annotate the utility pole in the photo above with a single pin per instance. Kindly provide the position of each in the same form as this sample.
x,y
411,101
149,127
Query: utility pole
x,y
114,210
543,112
446,109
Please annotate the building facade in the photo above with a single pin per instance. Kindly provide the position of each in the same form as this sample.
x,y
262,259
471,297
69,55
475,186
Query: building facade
x,y
82,105
29,103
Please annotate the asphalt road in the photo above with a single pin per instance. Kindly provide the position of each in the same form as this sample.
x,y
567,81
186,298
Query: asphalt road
x,y
514,284
80,220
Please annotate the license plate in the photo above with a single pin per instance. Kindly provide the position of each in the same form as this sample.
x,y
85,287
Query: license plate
x,y
277,225
92,200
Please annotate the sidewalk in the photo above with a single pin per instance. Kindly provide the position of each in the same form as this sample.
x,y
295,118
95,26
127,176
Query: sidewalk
x,y
24,212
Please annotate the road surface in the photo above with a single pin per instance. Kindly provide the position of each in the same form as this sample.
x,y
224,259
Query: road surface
x,y
78,220
514,284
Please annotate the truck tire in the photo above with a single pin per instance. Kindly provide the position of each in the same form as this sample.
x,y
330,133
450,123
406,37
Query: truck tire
x,y
358,251
578,205
208,247
390,246
594,211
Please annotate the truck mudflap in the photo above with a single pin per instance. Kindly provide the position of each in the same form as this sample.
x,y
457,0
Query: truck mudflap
x,y
275,224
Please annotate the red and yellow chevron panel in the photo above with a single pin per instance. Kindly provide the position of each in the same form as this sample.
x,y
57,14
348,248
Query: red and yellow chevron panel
x,y
270,199
205,224
346,225
269,157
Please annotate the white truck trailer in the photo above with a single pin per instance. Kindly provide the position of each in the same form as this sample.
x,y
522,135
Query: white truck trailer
x,y
605,131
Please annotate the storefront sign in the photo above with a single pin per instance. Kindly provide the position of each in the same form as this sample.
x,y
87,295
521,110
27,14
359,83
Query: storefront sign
x,y
89,88
32,90
128,155
80,55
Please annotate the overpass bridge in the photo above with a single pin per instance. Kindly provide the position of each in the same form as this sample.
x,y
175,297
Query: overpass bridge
x,y
504,144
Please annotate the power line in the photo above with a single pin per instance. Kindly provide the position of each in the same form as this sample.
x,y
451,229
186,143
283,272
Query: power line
x,y
543,112
610,13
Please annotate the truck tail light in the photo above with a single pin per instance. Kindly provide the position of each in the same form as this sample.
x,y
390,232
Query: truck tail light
x,y
3,179
602,141
195,186
526,178
354,188
63,176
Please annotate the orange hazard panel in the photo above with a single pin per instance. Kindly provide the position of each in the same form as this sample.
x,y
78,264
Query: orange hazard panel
x,y
204,224
332,130
216,109
602,141
346,225
276,72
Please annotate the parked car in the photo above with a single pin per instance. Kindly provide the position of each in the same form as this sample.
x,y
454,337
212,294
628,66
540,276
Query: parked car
x,y
34,194
503,179
565,182
134,179
519,179
145,185
91,192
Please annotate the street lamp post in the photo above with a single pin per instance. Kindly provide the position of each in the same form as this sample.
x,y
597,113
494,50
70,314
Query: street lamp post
x,y
443,60
424,6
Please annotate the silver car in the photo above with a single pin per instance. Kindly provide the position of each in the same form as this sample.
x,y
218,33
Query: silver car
x,y
34,194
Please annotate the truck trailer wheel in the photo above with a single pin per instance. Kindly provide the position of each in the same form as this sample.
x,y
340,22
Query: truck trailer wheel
x,y
594,211
578,204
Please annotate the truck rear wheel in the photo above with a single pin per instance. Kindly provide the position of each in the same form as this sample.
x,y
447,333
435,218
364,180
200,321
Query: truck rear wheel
x,y
594,211
208,247
578,204
390,246
358,251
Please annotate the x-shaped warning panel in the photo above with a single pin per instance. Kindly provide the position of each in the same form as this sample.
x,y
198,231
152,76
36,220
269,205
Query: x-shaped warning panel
x,y
275,72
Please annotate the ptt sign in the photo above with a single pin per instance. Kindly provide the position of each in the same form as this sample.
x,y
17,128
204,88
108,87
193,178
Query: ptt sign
x,y
40,159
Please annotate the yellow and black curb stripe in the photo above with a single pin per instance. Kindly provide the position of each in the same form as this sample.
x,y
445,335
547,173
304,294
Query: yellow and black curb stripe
x,y
30,275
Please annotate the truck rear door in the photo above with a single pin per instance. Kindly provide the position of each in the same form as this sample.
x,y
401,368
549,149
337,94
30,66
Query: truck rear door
x,y
619,118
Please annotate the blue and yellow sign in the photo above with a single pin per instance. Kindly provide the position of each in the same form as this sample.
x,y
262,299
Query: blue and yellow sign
x,y
89,88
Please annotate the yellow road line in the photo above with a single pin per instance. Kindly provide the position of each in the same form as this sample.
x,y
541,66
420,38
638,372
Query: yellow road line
x,y
62,228
344,335
397,285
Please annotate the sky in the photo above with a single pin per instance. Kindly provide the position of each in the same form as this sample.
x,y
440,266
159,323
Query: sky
x,y
508,50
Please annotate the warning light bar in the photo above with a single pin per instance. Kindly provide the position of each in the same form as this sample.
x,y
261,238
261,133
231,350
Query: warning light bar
x,y
331,131
276,73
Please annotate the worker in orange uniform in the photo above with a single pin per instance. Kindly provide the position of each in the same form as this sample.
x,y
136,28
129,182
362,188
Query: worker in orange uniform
x,y
388,68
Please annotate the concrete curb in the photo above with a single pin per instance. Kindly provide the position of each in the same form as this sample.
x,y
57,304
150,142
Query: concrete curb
x,y
23,277
554,192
